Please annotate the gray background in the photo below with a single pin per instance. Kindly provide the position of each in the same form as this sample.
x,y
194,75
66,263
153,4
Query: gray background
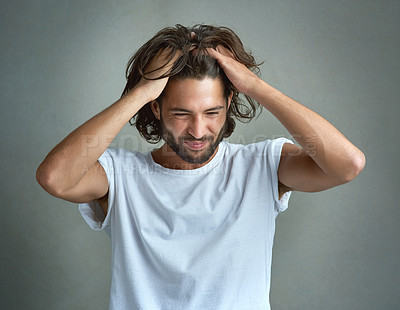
x,y
64,61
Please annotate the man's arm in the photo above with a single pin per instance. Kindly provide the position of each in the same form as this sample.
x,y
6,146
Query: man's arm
x,y
71,170
326,158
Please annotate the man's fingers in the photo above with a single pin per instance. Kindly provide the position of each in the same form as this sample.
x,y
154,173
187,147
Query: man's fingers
x,y
211,51
162,63
220,52
224,51
214,53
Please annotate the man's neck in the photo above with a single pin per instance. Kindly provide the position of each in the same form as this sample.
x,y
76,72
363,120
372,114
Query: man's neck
x,y
167,158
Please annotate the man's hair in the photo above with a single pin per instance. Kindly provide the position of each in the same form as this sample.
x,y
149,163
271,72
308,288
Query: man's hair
x,y
199,65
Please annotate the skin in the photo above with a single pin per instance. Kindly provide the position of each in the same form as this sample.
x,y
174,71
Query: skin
x,y
193,111
324,159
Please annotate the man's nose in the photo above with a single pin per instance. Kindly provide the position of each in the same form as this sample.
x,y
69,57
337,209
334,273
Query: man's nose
x,y
197,127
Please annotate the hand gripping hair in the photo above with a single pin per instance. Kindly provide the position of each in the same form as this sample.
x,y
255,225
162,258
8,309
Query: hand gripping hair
x,y
190,64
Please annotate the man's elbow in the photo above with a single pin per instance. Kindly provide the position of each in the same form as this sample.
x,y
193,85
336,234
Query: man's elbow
x,y
354,167
47,180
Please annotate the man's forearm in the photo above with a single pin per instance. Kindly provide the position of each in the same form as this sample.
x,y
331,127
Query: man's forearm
x,y
332,152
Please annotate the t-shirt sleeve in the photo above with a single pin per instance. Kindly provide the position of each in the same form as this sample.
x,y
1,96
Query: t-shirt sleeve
x,y
91,211
274,152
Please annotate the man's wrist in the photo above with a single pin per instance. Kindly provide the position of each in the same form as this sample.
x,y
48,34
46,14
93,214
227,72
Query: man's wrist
x,y
257,89
137,96
264,93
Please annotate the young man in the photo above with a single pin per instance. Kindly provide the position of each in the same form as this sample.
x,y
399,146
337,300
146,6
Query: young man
x,y
192,223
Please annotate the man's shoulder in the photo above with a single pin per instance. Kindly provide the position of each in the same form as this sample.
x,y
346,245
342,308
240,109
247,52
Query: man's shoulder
x,y
121,152
260,147
234,147
122,155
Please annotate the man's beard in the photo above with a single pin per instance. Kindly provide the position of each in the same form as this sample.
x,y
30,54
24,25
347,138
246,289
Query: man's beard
x,y
179,146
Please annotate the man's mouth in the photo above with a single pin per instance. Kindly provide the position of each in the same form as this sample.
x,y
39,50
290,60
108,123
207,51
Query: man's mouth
x,y
195,145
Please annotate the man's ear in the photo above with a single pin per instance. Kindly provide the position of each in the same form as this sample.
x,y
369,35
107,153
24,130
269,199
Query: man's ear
x,y
229,100
155,107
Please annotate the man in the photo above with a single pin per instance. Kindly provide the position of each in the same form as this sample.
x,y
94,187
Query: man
x,y
192,223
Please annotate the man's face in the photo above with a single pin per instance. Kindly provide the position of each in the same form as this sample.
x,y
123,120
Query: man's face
x,y
193,118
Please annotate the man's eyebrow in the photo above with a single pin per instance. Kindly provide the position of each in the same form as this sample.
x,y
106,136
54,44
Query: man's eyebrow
x,y
220,107
217,108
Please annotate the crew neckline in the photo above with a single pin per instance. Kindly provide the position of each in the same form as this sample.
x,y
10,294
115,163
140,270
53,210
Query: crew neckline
x,y
207,167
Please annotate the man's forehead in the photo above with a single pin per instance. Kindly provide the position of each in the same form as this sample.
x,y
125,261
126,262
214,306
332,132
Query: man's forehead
x,y
183,93
192,84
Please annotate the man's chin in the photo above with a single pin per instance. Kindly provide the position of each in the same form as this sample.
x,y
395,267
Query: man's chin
x,y
201,156
191,159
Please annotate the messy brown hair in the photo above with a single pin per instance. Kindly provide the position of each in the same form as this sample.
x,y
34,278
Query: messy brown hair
x,y
180,39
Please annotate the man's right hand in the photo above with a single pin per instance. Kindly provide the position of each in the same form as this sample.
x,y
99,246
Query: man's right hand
x,y
160,65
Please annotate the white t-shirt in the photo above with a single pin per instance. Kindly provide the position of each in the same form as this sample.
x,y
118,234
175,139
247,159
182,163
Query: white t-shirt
x,y
191,239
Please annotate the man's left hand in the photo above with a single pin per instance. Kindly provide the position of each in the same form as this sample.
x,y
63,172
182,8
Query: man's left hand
x,y
241,77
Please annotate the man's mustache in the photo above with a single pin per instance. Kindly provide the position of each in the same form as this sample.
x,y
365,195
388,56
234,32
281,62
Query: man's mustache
x,y
192,139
